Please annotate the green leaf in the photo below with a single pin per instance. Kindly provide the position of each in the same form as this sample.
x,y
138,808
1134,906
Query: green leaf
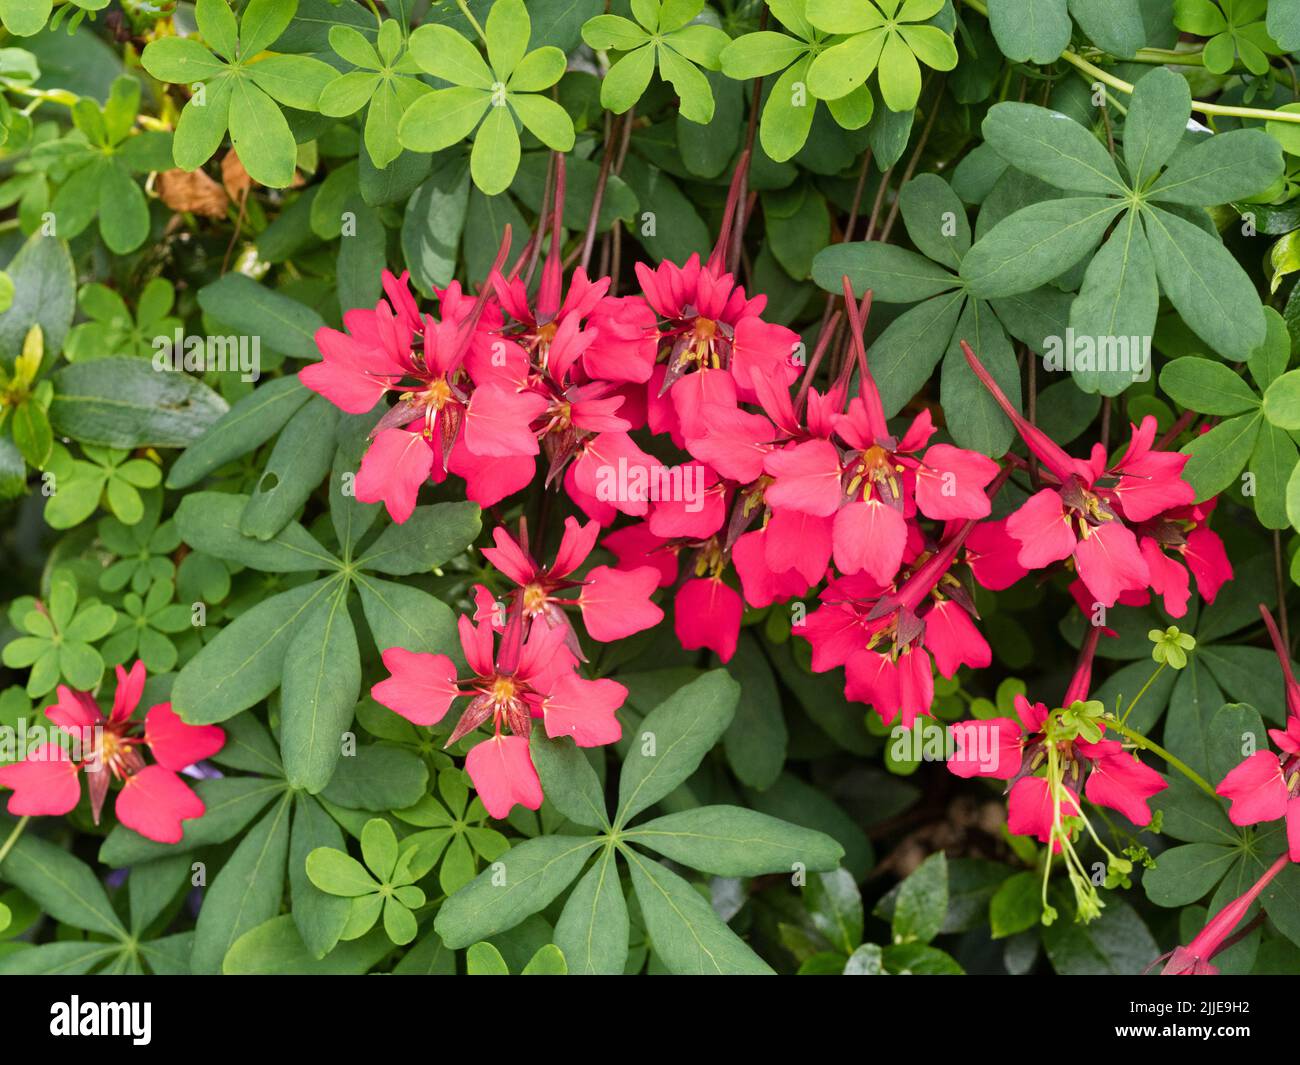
x,y
1207,287
322,681
1157,120
1016,905
262,24
935,219
894,274
626,81
733,841
63,887
1053,148
444,53
788,114
1282,401
1235,731
284,324
247,425
30,427
300,459
521,882
1030,30
1207,386
180,59
867,960
209,522
1284,24
539,70
45,294
201,128
246,892
1217,457
593,927
983,427
483,959
1186,874
246,661
835,906
378,777
216,23
261,136
429,537
400,615
338,873
293,80
320,917
495,155
232,802
1227,166
1118,299
1036,244
568,780
123,212
756,741
840,69
433,222
126,403
1114,25
756,55
508,29
1117,943
687,936
548,961
544,119
1272,462
922,902
442,118
692,87
673,739
906,353
275,948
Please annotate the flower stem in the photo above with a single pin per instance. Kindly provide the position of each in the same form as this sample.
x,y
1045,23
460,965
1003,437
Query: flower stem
x,y
1160,752
469,15
8,844
1143,690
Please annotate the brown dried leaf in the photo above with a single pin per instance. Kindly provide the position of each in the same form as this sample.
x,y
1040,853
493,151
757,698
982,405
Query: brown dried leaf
x,y
234,177
194,191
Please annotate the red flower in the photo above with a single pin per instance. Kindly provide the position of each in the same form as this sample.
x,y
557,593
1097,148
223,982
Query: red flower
x,y
614,603
153,800
1015,750
527,677
1266,786
874,484
1091,513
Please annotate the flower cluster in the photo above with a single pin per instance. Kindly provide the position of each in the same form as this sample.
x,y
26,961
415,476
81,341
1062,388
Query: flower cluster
x,y
776,490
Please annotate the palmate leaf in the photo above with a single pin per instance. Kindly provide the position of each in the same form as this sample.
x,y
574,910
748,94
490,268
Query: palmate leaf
x,y
906,353
679,47
241,89
304,639
896,47
491,100
1170,251
593,928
